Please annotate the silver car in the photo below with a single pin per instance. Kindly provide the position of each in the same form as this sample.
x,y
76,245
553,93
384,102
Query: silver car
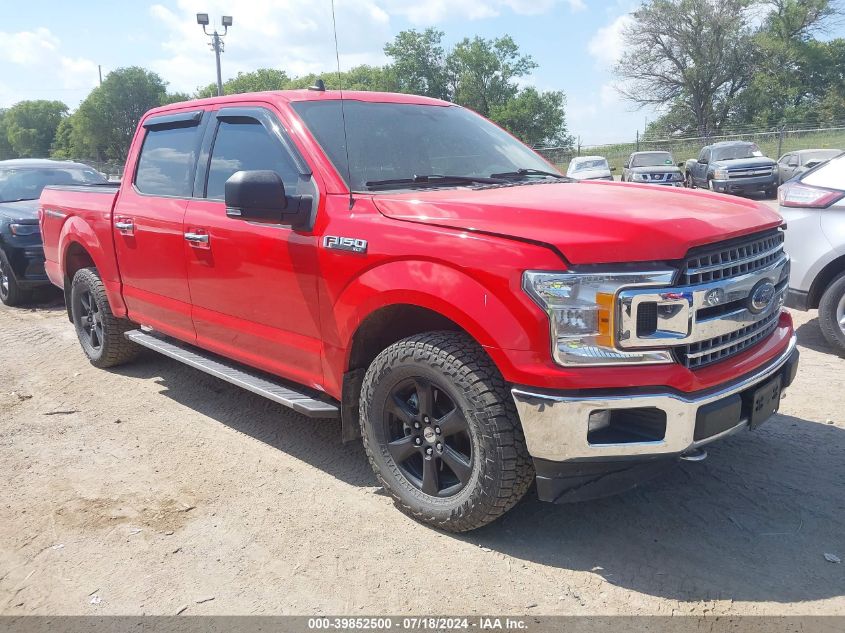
x,y
813,205
794,163
590,168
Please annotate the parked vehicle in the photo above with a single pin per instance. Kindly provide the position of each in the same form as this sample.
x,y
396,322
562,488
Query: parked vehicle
x,y
21,255
657,168
590,168
813,205
795,163
478,318
733,167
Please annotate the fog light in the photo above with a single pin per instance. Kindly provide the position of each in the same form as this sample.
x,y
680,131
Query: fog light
x,y
598,420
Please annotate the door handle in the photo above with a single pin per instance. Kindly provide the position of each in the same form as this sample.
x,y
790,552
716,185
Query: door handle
x,y
197,238
124,225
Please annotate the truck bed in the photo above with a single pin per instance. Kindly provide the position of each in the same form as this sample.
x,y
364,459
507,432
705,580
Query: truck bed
x,y
59,206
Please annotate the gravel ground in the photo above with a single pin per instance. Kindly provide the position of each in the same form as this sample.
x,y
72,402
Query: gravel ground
x,y
154,487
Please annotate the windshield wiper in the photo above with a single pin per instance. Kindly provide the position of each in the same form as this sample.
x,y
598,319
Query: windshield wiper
x,y
526,171
432,179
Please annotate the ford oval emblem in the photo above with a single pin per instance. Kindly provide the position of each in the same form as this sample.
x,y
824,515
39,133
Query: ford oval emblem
x,y
761,297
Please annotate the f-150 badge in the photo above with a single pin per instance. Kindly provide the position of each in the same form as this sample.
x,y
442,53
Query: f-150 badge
x,y
350,244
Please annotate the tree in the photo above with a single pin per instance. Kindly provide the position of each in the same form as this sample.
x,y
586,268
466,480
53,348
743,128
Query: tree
x,y
255,81
31,126
694,54
419,63
482,72
537,118
106,120
6,151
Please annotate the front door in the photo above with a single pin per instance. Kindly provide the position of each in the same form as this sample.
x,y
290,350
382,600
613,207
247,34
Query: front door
x,y
148,224
253,285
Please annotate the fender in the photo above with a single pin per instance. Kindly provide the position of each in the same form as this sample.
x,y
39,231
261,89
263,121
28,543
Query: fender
x,y
77,231
442,289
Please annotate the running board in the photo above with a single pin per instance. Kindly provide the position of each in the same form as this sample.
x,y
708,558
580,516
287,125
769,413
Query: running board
x,y
236,374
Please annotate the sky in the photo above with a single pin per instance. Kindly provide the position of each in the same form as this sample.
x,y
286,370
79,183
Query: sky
x,y
51,49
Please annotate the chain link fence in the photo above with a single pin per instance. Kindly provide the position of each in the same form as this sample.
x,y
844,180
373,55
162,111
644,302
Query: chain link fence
x,y
773,143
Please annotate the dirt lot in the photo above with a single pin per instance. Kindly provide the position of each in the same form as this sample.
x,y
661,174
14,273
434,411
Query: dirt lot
x,y
151,487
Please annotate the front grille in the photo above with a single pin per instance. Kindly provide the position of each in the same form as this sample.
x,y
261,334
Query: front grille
x,y
718,348
751,172
737,257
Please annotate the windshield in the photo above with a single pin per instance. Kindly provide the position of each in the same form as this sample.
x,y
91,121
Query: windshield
x,y
821,155
732,152
652,159
26,183
397,141
598,163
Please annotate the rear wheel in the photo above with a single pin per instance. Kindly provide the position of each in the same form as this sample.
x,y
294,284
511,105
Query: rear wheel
x,y
832,314
688,181
11,293
100,333
441,432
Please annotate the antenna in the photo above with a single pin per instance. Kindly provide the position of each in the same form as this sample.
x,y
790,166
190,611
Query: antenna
x,y
342,112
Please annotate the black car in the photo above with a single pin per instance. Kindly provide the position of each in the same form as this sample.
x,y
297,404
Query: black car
x,y
21,252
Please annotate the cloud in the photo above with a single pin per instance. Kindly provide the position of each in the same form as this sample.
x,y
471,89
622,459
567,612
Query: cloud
x,y
607,45
39,53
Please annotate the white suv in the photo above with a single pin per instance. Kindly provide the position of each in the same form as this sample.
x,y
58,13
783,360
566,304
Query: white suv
x,y
813,205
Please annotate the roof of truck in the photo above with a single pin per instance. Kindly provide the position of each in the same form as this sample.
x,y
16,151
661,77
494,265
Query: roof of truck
x,y
41,163
288,96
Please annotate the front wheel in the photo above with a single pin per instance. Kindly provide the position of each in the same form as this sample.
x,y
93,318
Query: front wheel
x,y
832,314
441,432
100,333
688,181
11,294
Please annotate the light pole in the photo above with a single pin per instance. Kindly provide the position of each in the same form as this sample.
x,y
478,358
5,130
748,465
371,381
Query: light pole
x,y
216,42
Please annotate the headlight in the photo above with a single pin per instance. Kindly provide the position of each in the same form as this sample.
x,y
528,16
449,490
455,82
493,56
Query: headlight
x,y
677,177
640,177
720,174
23,229
582,314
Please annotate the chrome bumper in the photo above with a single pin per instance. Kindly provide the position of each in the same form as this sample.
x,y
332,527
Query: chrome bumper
x,y
556,426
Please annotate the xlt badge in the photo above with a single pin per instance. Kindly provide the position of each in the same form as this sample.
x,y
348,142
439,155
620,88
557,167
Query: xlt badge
x,y
350,244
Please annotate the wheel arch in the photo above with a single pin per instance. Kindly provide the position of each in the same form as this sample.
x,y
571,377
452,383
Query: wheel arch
x,y
826,275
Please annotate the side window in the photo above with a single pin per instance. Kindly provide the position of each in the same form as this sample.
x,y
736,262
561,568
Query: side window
x,y
793,161
245,145
704,155
166,164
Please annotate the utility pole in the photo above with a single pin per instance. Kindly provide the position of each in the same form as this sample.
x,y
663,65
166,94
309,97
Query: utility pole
x,y
100,72
216,42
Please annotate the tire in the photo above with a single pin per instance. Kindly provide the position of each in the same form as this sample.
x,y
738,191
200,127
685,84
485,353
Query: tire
x,y
478,466
832,314
689,183
11,294
771,192
100,333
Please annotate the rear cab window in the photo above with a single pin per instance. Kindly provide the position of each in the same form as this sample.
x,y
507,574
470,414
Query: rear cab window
x,y
168,155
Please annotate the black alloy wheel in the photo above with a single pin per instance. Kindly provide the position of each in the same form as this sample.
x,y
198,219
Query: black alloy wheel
x,y
427,437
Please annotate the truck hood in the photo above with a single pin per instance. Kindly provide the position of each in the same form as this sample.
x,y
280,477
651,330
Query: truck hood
x,y
757,161
21,210
588,222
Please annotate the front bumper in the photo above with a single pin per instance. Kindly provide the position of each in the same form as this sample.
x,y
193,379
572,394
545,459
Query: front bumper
x,y
556,425
744,185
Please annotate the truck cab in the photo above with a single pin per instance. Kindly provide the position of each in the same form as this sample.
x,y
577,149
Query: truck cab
x,y
480,321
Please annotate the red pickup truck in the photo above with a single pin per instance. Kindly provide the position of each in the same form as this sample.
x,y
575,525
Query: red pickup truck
x,y
405,265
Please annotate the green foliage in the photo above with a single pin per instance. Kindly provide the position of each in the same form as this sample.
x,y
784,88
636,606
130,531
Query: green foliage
x,y
535,117
6,151
419,63
106,120
778,73
31,126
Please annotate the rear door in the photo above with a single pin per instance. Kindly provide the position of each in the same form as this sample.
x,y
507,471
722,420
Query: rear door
x,y
148,223
253,285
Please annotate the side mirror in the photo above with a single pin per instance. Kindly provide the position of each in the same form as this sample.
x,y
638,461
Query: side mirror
x,y
811,163
682,165
260,195
613,169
